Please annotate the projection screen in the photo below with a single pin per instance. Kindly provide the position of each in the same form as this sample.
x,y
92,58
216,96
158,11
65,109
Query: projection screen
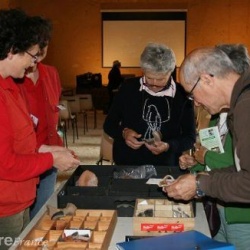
x,y
124,35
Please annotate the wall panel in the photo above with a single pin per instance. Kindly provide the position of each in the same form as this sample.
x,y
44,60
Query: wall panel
x,y
76,45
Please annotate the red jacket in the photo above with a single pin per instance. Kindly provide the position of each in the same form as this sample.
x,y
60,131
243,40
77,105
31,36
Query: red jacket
x,y
20,165
42,100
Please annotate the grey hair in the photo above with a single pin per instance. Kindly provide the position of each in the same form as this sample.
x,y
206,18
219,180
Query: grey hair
x,y
157,58
238,54
208,60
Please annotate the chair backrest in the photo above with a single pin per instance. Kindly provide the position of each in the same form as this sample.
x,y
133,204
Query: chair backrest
x,y
64,114
100,98
74,103
202,118
86,102
106,148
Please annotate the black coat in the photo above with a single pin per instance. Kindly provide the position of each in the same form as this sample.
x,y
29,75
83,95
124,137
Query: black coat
x,y
142,112
115,78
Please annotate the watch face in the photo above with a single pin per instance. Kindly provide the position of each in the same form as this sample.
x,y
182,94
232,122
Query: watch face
x,y
200,193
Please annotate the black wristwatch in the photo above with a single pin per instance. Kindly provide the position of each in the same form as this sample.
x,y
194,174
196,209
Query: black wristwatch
x,y
199,192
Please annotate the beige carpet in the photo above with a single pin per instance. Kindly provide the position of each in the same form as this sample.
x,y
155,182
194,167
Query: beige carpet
x,y
87,147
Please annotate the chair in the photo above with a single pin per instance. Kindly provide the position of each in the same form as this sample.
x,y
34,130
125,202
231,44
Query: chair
x,y
86,105
61,130
100,97
202,118
106,150
66,117
74,104
77,108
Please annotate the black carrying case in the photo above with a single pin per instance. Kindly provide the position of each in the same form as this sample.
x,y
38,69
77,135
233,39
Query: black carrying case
x,y
111,193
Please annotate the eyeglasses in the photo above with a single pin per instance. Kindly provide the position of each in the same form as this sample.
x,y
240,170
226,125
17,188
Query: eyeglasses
x,y
34,57
159,88
190,95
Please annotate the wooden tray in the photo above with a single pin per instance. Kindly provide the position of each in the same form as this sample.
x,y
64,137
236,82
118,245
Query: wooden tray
x,y
160,216
49,234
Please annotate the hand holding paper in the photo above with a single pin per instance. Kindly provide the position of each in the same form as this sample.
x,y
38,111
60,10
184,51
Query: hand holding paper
x,y
210,139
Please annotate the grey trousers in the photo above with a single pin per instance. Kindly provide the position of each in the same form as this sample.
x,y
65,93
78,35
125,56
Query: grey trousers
x,y
11,227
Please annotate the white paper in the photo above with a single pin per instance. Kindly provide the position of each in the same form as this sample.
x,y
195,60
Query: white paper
x,y
144,202
69,232
210,139
153,181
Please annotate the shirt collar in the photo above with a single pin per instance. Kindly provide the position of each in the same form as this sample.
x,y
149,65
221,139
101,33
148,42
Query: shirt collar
x,y
167,92
9,84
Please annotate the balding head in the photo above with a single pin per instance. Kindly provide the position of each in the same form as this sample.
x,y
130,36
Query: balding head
x,y
207,60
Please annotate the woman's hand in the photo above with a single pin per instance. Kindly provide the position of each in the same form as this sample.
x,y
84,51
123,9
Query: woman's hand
x,y
131,138
157,147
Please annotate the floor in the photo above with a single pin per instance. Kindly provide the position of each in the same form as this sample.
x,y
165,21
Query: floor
x,y
87,147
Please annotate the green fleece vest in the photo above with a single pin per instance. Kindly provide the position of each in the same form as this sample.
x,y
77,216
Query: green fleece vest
x,y
234,213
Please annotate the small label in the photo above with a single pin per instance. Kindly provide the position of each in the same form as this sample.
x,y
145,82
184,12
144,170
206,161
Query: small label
x,y
162,227
34,119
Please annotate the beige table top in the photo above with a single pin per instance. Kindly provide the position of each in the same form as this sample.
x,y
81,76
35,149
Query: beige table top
x,y
124,224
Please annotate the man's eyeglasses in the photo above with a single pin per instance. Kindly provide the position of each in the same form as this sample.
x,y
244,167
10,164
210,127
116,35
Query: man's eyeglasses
x,y
190,95
34,57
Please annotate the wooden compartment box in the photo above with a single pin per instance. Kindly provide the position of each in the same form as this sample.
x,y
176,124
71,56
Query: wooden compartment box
x,y
154,217
50,234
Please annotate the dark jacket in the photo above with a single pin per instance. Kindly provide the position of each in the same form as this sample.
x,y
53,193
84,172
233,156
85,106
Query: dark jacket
x,y
228,184
115,78
140,111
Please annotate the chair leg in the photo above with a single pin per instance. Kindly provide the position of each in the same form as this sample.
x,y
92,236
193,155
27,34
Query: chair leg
x,y
99,162
84,125
73,128
65,136
76,128
85,122
95,123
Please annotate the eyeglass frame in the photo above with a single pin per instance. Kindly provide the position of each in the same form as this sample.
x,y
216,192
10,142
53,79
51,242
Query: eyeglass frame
x,y
161,88
34,57
190,94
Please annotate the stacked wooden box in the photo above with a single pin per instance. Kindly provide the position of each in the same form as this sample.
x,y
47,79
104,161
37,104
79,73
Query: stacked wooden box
x,y
50,234
154,217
